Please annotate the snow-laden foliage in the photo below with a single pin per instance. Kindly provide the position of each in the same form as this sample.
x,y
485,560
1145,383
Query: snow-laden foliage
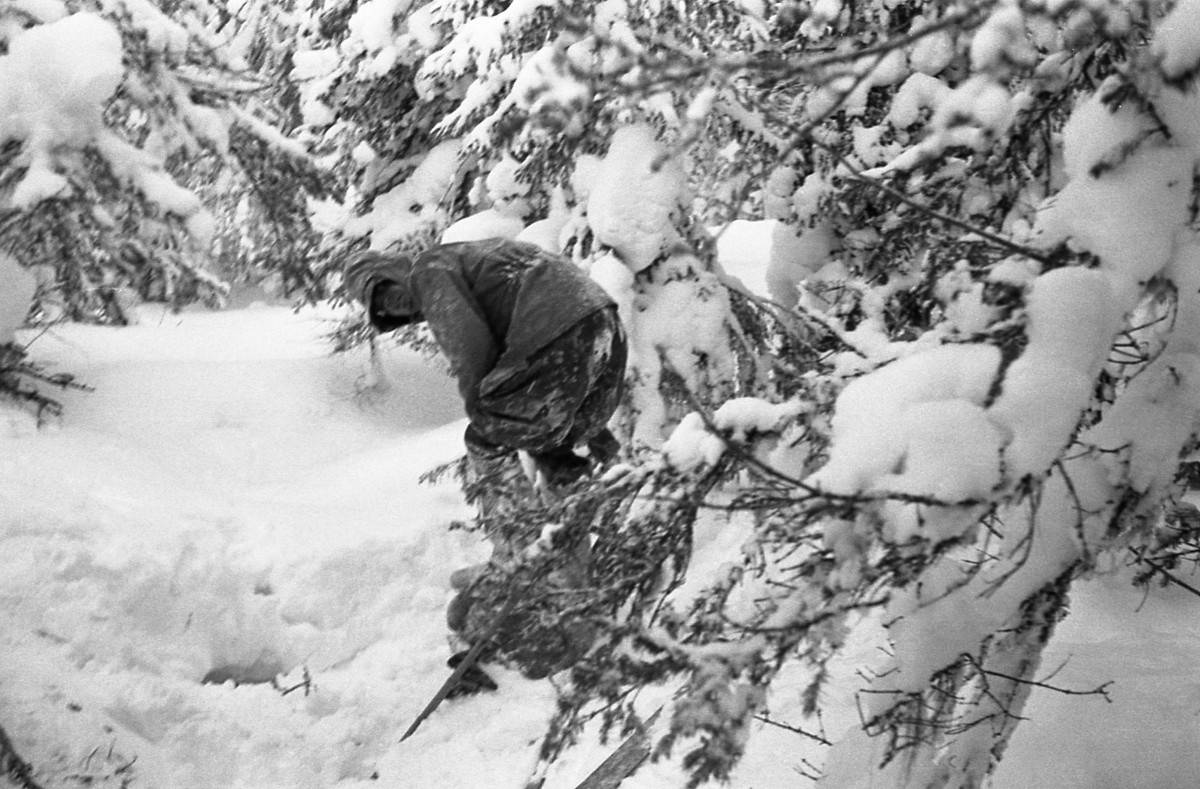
x,y
125,131
1009,384
968,378
141,158
979,333
465,120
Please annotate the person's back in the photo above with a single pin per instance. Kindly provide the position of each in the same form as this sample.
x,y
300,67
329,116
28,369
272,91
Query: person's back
x,y
528,297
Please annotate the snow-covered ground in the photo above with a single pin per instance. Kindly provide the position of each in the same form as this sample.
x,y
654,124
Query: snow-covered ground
x,y
231,495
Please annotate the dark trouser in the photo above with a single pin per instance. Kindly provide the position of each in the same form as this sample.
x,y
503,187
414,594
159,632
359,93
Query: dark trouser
x,y
563,397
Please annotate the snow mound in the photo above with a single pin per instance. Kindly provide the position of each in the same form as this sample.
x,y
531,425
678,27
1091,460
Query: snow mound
x,y
634,197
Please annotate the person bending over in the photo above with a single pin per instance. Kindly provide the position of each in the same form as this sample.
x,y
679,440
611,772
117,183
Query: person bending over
x,y
539,355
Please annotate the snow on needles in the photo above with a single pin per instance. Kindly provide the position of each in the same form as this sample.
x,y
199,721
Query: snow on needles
x,y
1123,207
692,445
53,85
923,424
504,219
372,22
918,425
414,204
1073,316
634,197
953,423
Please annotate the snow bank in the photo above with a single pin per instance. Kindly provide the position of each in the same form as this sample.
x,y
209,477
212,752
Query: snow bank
x,y
225,502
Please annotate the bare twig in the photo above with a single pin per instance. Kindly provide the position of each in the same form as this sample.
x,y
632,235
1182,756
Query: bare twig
x,y
795,729
932,213
1099,690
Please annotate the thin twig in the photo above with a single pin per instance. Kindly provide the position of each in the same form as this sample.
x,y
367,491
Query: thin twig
x,y
933,213
796,729
1099,690
1165,573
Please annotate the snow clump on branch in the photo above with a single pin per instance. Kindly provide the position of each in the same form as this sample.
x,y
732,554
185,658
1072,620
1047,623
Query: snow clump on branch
x,y
54,82
637,223
693,445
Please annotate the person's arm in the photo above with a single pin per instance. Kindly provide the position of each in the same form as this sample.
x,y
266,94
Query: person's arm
x,y
460,327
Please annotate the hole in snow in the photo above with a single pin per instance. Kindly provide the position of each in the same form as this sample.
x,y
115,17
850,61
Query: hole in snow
x,y
260,671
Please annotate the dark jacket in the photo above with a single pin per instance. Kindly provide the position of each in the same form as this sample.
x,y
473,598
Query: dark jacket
x,y
493,304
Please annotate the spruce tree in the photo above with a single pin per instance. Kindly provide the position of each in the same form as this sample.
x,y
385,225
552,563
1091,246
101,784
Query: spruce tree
x,y
140,160
977,350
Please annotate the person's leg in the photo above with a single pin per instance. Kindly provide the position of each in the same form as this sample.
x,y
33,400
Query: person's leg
x,y
563,398
495,482
605,388
602,377
497,486
538,408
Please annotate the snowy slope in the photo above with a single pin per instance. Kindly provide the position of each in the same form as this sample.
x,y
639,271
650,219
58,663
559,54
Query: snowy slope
x,y
225,498
229,495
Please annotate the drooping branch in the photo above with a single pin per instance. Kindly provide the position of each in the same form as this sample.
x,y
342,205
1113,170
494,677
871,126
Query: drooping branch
x,y
1100,690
